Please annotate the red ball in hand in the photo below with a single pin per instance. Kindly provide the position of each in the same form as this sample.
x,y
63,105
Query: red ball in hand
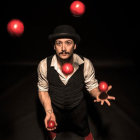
x,y
77,8
51,124
67,68
103,86
15,27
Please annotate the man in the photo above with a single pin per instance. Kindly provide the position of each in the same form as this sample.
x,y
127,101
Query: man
x,y
62,95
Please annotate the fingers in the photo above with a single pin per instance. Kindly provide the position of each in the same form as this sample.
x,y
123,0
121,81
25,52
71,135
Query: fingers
x,y
109,88
97,100
105,100
55,123
111,97
47,118
51,129
102,102
108,103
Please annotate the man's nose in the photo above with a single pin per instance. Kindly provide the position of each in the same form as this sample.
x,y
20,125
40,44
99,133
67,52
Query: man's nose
x,y
63,47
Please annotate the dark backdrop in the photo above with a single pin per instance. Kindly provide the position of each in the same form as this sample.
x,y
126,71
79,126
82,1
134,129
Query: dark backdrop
x,y
109,32
109,29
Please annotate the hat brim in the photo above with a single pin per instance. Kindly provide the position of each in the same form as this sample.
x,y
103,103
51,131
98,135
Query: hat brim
x,y
75,37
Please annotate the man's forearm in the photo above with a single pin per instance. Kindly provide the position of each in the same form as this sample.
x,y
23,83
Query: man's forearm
x,y
46,101
95,92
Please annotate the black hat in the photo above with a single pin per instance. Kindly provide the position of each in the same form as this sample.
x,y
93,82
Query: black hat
x,y
64,31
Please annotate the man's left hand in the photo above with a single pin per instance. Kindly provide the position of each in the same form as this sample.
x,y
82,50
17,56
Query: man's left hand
x,y
106,99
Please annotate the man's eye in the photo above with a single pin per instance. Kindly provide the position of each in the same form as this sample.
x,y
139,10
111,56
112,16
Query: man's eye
x,y
69,43
58,43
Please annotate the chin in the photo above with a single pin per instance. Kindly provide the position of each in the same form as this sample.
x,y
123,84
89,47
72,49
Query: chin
x,y
64,56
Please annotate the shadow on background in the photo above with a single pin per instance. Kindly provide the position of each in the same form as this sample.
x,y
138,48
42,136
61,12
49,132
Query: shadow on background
x,y
97,125
40,119
109,36
6,128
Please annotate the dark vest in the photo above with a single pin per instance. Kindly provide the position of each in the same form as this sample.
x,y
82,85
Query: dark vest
x,y
69,95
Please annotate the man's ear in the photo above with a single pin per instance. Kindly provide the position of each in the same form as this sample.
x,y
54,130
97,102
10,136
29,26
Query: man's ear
x,y
75,47
54,47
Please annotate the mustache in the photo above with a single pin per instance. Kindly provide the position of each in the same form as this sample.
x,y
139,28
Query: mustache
x,y
64,52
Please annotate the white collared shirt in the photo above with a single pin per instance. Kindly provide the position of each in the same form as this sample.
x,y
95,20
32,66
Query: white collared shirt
x,y
89,73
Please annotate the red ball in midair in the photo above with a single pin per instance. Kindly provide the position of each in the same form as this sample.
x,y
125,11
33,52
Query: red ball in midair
x,y
15,27
103,86
77,8
51,124
67,68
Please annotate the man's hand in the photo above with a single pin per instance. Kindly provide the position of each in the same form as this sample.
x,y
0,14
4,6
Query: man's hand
x,y
106,99
50,116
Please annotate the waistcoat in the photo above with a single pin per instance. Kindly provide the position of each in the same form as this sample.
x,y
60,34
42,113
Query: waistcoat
x,y
69,95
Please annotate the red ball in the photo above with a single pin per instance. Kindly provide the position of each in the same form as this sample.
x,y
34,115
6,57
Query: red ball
x,y
77,8
51,124
67,68
103,86
15,27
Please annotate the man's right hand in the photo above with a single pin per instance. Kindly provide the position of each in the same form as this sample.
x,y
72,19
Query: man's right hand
x,y
50,116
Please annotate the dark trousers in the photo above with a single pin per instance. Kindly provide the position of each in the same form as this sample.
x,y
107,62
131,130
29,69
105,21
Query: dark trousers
x,y
75,119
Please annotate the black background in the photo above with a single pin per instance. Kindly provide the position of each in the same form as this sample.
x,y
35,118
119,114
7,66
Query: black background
x,y
109,33
108,29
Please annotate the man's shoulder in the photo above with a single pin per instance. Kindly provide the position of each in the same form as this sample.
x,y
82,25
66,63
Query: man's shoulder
x,y
42,62
85,59
50,57
45,59
82,56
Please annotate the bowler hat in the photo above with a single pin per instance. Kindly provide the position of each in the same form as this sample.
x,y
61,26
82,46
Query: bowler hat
x,y
64,31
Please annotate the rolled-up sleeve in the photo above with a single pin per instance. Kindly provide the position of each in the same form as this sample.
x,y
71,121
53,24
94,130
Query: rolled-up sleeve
x,y
42,83
89,75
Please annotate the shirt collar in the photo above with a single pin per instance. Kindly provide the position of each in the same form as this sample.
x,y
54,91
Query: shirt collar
x,y
76,61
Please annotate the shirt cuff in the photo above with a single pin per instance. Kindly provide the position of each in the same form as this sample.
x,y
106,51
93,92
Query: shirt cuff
x,y
42,89
89,88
